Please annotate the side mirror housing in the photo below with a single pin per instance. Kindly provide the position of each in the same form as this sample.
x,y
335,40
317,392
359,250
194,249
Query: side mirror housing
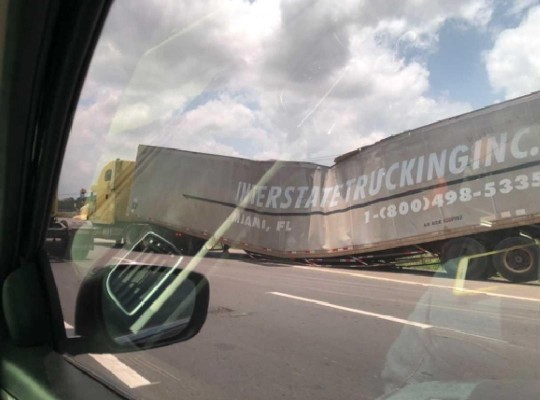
x,y
129,307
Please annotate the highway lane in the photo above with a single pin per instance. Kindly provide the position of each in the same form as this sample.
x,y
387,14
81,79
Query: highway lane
x,y
281,331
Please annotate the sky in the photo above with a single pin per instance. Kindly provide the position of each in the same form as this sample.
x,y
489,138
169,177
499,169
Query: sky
x,y
292,80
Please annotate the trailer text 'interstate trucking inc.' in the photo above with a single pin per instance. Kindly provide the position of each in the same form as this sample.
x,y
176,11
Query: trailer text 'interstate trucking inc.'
x,y
463,162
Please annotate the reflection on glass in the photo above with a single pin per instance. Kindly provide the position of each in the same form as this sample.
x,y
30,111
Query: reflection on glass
x,y
134,291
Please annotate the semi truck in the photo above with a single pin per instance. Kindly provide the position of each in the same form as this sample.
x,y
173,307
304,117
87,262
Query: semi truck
x,y
108,210
467,185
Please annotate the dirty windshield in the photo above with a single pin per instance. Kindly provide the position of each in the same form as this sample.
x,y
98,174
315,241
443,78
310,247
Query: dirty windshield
x,y
358,181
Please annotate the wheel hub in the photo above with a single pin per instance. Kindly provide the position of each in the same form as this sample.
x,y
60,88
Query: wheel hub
x,y
519,260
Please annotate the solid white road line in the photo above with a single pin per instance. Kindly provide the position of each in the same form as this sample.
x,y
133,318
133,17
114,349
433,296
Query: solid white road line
x,y
355,310
123,372
460,290
382,316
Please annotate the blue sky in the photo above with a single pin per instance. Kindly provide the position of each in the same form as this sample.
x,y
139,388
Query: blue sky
x,y
458,69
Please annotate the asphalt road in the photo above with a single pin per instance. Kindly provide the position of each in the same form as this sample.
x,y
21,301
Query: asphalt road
x,y
296,332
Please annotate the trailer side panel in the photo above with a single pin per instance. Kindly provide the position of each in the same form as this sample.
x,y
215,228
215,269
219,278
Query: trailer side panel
x,y
479,171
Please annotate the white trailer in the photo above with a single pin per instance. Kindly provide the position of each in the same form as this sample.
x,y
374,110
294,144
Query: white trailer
x,y
465,185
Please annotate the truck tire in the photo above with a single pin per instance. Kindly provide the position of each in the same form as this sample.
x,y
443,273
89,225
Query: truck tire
x,y
518,264
456,248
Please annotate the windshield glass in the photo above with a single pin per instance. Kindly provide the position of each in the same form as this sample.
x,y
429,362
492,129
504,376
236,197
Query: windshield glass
x,y
357,180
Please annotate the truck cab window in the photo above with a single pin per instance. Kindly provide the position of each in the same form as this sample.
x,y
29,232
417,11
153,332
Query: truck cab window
x,y
108,175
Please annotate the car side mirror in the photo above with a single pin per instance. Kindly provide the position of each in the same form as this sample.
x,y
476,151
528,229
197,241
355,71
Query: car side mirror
x,y
129,307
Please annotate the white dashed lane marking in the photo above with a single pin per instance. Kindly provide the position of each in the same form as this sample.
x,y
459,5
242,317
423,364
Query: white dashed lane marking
x,y
384,316
123,372
355,310
127,375
461,290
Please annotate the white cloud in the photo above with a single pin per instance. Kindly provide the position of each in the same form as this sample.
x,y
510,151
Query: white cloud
x,y
264,79
513,64
518,6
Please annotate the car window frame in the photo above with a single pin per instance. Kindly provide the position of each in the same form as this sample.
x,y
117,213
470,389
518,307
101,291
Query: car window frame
x,y
48,46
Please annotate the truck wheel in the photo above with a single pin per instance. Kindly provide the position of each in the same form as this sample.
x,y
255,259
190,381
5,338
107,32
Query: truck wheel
x,y
456,248
519,264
